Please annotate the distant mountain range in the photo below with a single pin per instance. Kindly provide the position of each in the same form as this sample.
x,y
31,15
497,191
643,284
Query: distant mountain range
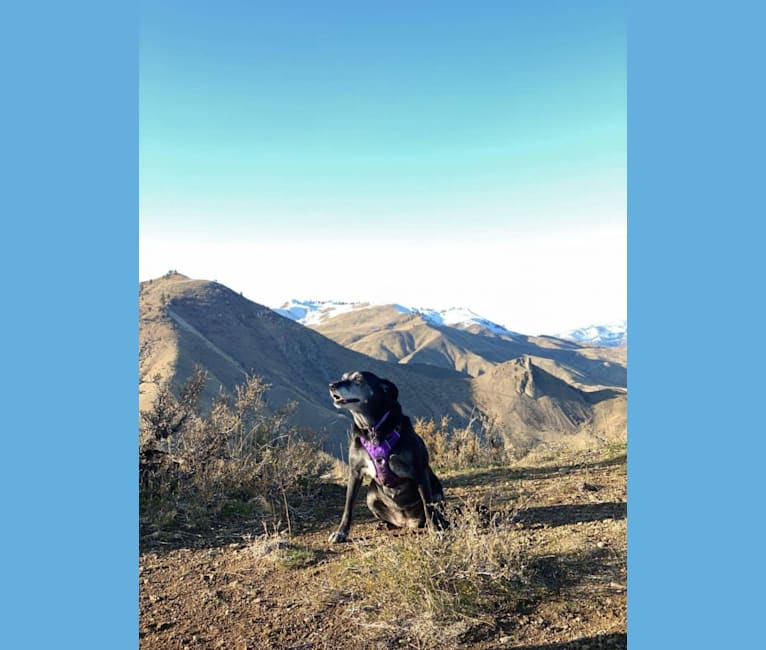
x,y
451,363
318,312
609,335
457,339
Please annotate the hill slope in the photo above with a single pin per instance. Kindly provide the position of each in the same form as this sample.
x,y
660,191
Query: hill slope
x,y
531,405
386,332
534,389
186,323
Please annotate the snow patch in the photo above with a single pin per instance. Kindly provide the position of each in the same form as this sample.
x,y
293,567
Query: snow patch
x,y
314,312
460,317
608,335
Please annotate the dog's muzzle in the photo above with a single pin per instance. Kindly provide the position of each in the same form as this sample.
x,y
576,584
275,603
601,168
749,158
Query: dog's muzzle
x,y
338,399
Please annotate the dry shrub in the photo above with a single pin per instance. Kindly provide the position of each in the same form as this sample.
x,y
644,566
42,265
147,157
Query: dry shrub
x,y
478,444
241,457
437,584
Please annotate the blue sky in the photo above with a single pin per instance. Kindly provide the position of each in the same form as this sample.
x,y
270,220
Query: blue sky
x,y
433,154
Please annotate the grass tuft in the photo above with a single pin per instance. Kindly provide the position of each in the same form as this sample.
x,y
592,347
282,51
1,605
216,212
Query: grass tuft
x,y
439,580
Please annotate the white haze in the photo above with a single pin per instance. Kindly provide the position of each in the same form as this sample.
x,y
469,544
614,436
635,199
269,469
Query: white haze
x,y
534,283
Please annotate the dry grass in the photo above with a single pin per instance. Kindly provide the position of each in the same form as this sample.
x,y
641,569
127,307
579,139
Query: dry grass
x,y
545,546
237,460
535,557
436,583
535,554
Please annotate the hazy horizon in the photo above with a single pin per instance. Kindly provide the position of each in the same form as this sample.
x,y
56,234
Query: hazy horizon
x,y
431,155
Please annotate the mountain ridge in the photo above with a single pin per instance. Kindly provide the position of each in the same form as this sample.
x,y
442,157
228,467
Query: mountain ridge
x,y
187,323
317,312
385,333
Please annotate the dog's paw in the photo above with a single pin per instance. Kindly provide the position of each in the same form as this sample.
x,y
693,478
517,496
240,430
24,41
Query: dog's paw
x,y
441,522
438,520
338,536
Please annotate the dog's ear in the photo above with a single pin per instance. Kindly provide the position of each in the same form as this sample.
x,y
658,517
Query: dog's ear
x,y
390,390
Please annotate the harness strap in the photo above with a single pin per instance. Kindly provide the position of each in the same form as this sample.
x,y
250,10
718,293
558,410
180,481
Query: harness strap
x,y
379,454
382,420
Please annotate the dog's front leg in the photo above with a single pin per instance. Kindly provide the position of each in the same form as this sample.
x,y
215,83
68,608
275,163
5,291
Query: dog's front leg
x,y
426,496
354,482
434,514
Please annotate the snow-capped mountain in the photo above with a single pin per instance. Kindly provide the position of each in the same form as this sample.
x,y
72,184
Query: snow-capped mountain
x,y
455,317
610,335
314,312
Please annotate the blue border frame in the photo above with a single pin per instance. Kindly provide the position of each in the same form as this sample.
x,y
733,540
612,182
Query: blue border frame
x,y
70,206
70,268
695,173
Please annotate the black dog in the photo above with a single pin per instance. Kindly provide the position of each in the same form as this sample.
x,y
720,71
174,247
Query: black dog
x,y
385,448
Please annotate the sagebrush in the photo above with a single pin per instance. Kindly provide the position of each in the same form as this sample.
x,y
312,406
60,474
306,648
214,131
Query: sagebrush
x,y
439,582
477,444
238,457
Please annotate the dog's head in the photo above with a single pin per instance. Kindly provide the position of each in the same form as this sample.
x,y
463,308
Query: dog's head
x,y
364,393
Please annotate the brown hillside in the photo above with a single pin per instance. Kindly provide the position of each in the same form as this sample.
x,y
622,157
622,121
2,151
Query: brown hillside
x,y
531,405
382,332
186,323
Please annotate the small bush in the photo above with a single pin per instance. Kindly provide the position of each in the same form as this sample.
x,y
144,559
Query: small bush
x,y
238,459
436,581
478,444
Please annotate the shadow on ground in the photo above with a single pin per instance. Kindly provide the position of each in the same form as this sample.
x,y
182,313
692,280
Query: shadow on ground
x,y
507,474
320,512
598,567
562,515
599,642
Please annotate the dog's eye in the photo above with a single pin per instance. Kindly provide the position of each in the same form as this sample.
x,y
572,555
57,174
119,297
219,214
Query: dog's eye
x,y
357,379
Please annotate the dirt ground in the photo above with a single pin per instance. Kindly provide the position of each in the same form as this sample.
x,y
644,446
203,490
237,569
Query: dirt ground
x,y
236,588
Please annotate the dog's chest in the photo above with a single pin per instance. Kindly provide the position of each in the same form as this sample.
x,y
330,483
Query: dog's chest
x,y
369,468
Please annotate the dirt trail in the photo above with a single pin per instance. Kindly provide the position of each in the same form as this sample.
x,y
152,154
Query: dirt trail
x,y
206,341
229,588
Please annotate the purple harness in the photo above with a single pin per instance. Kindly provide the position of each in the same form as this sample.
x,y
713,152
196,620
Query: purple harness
x,y
380,453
